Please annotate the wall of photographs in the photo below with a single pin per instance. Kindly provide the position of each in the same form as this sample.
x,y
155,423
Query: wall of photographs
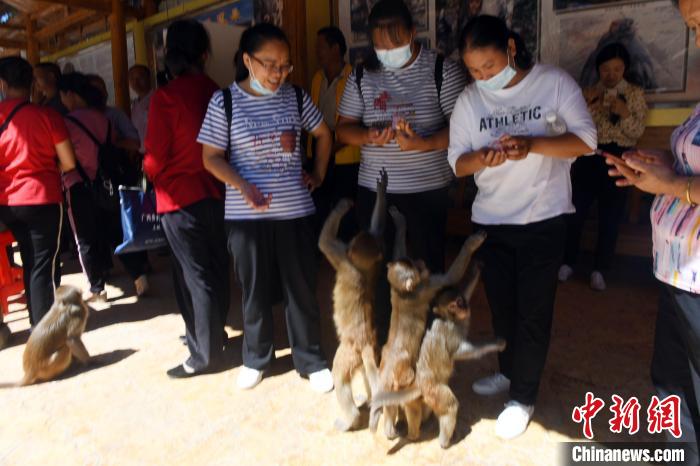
x,y
567,33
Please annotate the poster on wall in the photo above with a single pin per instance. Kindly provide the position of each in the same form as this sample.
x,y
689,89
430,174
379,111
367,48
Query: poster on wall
x,y
268,11
359,16
650,32
562,5
452,15
239,13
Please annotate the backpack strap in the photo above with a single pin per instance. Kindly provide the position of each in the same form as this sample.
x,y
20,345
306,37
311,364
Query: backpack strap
x,y
228,108
81,171
84,128
12,114
359,72
300,99
439,65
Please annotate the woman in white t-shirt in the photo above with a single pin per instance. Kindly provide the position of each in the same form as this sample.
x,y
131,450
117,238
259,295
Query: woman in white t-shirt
x,y
268,209
517,129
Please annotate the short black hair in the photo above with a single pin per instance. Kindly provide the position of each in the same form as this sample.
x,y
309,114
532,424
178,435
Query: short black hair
x,y
185,45
79,84
611,51
334,36
51,67
16,72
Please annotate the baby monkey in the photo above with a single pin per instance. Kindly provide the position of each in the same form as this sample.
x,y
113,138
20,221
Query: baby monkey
x,y
444,343
357,267
56,337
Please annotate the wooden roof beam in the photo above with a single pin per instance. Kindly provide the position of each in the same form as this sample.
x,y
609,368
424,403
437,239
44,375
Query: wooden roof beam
x,y
99,6
11,27
62,24
12,44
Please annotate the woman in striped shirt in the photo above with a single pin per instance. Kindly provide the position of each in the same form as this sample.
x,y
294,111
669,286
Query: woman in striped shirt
x,y
397,107
268,210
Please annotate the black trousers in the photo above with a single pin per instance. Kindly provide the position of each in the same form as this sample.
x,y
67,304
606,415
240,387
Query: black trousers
x,y
675,364
590,182
83,216
426,218
196,237
270,255
340,182
520,278
37,229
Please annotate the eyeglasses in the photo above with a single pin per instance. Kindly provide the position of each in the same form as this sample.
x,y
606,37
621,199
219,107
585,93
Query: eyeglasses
x,y
269,67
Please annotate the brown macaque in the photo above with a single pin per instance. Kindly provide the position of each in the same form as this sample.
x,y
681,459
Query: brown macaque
x,y
57,337
357,267
444,343
412,290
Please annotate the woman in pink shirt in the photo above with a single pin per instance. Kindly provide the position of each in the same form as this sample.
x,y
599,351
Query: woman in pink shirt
x,y
85,123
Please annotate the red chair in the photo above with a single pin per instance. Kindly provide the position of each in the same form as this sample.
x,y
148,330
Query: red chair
x,y
11,277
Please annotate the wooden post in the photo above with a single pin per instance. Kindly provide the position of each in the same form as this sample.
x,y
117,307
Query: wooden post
x,y
33,56
120,64
150,8
294,24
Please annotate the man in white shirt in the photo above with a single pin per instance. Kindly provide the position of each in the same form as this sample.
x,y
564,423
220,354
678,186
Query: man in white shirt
x,y
140,83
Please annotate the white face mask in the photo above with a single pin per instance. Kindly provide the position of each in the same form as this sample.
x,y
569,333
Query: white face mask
x,y
256,85
395,58
501,80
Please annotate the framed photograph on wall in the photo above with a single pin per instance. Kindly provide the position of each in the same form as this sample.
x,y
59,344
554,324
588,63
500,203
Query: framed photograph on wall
x,y
653,33
523,16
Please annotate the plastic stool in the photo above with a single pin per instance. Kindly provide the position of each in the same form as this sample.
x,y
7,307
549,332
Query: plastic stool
x,y
11,277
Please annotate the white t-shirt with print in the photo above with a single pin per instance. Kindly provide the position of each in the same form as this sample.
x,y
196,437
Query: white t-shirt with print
x,y
265,149
538,187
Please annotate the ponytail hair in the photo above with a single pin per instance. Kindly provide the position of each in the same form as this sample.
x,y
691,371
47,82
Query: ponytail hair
x,y
490,31
253,39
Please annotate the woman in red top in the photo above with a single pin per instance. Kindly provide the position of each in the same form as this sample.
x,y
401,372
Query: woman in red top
x,y
85,121
33,147
188,197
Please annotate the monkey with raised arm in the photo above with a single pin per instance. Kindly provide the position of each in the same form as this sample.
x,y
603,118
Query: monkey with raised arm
x,y
56,338
412,290
357,266
443,344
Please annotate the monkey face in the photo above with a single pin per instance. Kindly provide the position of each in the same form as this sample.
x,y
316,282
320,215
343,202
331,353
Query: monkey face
x,y
451,305
404,275
459,309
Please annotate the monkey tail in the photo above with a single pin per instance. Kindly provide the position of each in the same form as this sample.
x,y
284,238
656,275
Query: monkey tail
x,y
396,398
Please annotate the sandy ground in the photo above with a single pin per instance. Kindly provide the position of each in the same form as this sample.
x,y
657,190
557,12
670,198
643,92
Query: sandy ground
x,y
124,410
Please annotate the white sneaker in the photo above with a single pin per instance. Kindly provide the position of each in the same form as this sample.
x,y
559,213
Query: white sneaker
x,y
565,272
513,420
248,378
99,297
597,281
142,285
491,385
321,381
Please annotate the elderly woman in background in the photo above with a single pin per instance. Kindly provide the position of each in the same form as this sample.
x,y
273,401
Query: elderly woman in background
x,y
619,111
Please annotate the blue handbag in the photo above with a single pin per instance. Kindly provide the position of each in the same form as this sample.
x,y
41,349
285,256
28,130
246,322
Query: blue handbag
x,y
140,222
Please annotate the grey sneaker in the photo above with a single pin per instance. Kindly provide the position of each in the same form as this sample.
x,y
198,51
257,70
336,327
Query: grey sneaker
x,y
491,385
597,281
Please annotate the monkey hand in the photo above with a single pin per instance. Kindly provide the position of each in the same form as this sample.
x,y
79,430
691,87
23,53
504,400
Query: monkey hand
x,y
397,217
344,205
382,180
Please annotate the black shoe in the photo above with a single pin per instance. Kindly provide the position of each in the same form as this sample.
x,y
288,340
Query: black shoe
x,y
179,372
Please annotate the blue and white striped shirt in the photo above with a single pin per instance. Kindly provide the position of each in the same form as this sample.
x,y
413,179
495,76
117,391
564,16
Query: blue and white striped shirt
x,y
407,93
265,149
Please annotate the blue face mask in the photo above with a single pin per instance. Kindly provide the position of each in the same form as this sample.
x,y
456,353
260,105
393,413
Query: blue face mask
x,y
257,85
501,80
395,58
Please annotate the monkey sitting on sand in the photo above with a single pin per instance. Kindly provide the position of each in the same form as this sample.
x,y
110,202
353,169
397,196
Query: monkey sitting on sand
x,y
444,343
412,290
56,337
357,266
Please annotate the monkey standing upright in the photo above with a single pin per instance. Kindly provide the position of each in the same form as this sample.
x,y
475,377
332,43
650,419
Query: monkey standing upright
x,y
444,343
56,337
412,290
357,266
